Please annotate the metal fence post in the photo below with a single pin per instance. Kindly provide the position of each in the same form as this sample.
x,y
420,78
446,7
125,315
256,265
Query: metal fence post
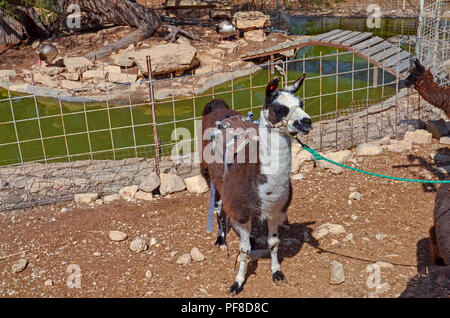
x,y
152,102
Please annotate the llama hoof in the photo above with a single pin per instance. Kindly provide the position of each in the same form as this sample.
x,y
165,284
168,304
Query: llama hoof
x,y
235,288
220,241
278,276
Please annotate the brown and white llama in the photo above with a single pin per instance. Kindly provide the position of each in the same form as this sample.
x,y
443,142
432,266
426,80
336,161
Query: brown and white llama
x,y
423,81
259,188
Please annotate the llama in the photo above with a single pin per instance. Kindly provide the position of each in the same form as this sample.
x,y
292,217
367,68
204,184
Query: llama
x,y
261,188
423,81
439,233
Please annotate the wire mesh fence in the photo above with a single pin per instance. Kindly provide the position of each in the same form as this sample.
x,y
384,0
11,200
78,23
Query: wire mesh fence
x,y
434,45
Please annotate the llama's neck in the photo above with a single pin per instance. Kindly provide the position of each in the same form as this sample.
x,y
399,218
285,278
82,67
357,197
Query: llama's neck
x,y
433,93
274,151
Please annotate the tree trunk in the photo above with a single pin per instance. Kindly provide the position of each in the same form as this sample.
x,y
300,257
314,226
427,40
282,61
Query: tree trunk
x,y
116,12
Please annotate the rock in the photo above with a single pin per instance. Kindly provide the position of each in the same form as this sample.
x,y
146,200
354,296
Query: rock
x,y
184,259
384,264
153,241
171,183
99,202
420,136
336,170
111,197
380,236
85,198
209,69
9,73
197,255
368,150
183,40
399,146
66,84
166,58
128,192
255,36
138,245
355,196
123,60
73,64
196,184
445,140
141,195
48,283
121,77
94,74
149,274
444,169
19,266
250,20
117,236
298,177
150,183
338,156
348,237
217,53
230,47
71,76
45,79
64,210
326,229
437,128
337,275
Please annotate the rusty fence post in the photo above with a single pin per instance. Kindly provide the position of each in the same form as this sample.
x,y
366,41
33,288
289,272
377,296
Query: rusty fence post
x,y
155,125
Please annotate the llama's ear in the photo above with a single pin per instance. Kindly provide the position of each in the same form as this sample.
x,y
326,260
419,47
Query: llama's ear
x,y
296,86
419,66
272,90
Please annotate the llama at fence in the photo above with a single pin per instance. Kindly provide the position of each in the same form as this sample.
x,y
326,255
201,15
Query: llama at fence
x,y
259,188
440,232
423,81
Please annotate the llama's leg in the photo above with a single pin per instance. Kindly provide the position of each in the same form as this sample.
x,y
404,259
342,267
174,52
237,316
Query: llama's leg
x,y
274,242
244,251
221,227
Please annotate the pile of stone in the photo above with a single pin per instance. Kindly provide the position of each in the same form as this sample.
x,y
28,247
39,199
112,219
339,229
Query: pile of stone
x,y
252,24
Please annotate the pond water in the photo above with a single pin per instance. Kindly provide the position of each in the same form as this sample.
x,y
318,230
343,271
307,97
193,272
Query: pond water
x,y
71,118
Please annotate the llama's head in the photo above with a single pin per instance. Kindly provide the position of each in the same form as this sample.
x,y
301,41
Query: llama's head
x,y
283,109
415,74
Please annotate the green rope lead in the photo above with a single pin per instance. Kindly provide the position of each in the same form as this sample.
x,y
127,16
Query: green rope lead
x,y
318,156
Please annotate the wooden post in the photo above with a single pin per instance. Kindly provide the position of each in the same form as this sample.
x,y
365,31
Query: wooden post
x,y
152,102
272,64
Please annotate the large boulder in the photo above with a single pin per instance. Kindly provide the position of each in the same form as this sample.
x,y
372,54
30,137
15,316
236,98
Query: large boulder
x,y
165,58
171,183
250,20
73,64
255,36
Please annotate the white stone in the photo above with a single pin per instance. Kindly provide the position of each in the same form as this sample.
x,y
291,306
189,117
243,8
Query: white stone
x,y
64,210
149,274
48,283
355,196
445,140
144,196
74,63
45,79
150,183
298,177
337,275
112,197
196,184
326,229
138,245
250,20
171,183
121,77
94,74
255,36
197,255
129,192
9,73
368,150
184,259
117,236
419,136
380,236
19,266
153,241
85,198
165,58
399,146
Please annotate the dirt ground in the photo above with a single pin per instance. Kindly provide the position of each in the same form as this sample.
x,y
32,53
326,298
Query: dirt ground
x,y
389,224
